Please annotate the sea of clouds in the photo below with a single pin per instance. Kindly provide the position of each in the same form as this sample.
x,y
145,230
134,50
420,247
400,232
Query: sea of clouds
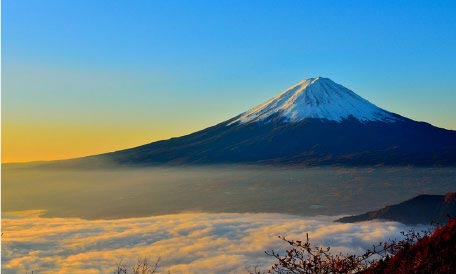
x,y
185,243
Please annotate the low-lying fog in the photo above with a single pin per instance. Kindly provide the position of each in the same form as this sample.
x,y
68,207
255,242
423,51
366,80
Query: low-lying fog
x,y
122,193
186,243
211,219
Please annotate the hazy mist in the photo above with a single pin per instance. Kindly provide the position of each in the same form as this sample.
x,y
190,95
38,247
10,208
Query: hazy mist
x,y
121,193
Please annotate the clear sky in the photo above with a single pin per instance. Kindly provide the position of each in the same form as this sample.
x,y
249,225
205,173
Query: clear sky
x,y
86,77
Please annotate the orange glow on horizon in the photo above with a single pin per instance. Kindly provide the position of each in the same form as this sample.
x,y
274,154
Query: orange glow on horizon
x,y
27,143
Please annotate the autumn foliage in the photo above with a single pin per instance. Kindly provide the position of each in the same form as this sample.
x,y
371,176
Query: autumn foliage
x,y
416,252
430,254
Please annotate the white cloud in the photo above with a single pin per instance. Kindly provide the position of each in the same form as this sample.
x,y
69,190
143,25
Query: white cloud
x,y
186,243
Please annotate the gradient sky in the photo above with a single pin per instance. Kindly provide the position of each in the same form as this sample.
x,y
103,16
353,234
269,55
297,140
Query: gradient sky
x,y
86,77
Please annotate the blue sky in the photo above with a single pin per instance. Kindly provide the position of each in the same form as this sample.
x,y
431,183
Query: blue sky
x,y
156,69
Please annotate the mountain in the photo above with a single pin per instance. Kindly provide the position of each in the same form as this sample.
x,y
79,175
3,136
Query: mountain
x,y
422,209
314,122
317,98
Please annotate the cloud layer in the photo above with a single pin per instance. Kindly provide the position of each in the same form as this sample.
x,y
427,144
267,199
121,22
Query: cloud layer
x,y
186,243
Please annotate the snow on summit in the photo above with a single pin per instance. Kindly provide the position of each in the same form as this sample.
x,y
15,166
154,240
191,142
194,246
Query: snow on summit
x,y
317,98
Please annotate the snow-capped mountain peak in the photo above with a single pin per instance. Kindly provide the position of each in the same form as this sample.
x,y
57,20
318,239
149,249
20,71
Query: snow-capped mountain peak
x,y
319,98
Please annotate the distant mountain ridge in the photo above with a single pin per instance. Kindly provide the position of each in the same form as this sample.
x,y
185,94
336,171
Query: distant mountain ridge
x,y
314,122
422,209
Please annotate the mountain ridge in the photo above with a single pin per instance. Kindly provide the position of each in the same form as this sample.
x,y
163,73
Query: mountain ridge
x,y
422,209
269,136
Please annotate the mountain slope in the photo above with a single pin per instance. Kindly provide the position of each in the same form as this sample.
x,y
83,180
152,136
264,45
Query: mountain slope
x,y
422,209
318,98
315,122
